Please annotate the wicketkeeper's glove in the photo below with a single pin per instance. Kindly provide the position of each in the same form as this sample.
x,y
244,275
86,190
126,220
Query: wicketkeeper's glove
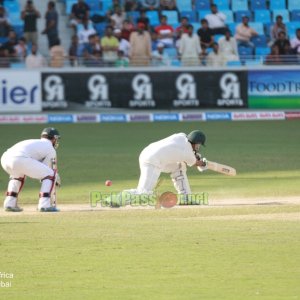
x,y
58,181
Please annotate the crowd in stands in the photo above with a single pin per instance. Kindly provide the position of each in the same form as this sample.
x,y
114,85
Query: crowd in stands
x,y
144,33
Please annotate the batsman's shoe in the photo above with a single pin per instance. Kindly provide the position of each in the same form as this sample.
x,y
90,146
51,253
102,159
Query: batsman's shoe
x,y
49,209
13,209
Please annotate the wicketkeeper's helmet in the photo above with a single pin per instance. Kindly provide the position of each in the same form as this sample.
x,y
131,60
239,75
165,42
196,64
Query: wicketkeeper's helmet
x,y
51,133
197,137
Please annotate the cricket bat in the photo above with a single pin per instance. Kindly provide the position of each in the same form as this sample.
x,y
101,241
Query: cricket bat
x,y
54,195
220,168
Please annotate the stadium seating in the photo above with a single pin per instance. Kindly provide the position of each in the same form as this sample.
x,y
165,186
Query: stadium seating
x,y
262,15
292,27
172,16
191,15
277,4
258,27
258,4
203,13
295,15
229,15
259,41
262,52
222,4
293,4
241,13
69,4
282,12
153,17
184,5
239,5
202,5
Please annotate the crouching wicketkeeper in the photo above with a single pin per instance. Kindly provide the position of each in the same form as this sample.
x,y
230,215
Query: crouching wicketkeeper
x,y
33,158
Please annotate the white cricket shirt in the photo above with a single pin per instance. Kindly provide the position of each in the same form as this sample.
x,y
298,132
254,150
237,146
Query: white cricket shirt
x,y
173,149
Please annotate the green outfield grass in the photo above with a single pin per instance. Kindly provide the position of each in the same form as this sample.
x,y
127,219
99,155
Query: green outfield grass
x,y
206,252
265,154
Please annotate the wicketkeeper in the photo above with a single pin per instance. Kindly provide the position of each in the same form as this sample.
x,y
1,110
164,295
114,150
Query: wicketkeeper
x,y
33,158
171,155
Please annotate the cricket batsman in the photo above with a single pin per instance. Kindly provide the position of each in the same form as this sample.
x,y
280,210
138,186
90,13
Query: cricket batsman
x,y
171,155
34,158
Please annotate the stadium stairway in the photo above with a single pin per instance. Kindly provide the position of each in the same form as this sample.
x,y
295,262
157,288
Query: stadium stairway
x,y
64,30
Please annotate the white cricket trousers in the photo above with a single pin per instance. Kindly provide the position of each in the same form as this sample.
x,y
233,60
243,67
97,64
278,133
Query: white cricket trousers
x,y
18,167
150,174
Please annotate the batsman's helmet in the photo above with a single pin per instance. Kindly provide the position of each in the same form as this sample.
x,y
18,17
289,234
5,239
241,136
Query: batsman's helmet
x,y
197,137
51,133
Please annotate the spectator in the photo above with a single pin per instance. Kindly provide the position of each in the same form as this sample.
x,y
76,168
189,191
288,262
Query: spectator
x,y
122,60
30,15
168,5
127,29
83,35
51,30
295,42
4,58
279,26
144,19
140,46
183,27
150,4
4,24
228,47
190,49
119,17
35,59
244,33
159,57
21,49
57,55
92,52
74,51
282,43
215,58
115,4
80,11
273,58
124,45
131,5
205,35
216,20
165,32
109,45
154,40
10,44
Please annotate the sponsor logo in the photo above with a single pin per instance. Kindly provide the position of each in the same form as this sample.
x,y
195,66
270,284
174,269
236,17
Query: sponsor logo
x,y
113,118
54,92
292,115
281,87
218,116
87,118
143,92
165,117
29,119
61,118
192,117
258,116
186,88
140,118
19,92
231,91
98,91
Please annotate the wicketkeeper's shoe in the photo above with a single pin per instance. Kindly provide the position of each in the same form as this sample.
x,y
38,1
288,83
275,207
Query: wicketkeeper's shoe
x,y
14,209
49,209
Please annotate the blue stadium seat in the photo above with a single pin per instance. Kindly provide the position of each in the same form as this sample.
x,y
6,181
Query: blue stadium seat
x,y
231,27
15,19
241,13
229,15
12,7
217,37
172,52
295,15
277,4
258,4
239,5
202,5
94,5
100,28
176,63
203,13
172,16
292,27
259,41
233,63
267,29
222,4
105,5
253,62
282,12
3,40
153,17
196,26
69,5
191,15
293,4
258,27
133,16
262,15
245,53
262,52
184,5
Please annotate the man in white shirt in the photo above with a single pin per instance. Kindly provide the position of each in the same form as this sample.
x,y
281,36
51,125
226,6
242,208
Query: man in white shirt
x,y
295,42
35,59
189,48
124,45
216,20
84,34
35,158
170,155
228,47
215,58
